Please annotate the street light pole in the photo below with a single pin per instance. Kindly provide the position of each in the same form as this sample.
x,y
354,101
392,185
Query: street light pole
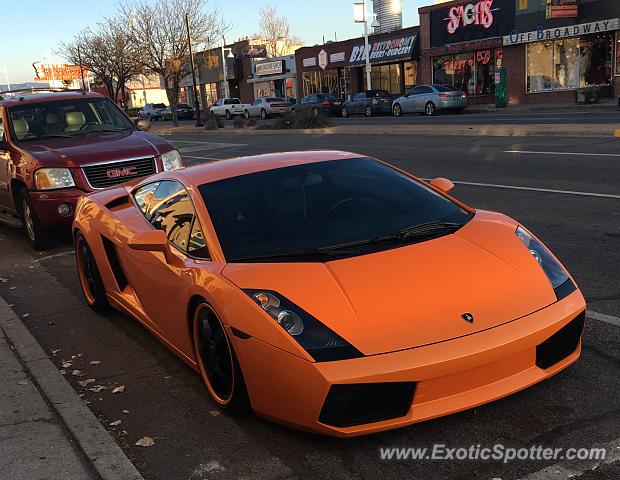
x,y
360,16
195,86
226,86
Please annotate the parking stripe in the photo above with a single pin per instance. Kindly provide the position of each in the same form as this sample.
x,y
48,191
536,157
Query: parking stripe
x,y
572,154
601,317
544,190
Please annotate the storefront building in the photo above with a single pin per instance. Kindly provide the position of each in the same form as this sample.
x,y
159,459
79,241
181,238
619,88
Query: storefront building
x,y
339,67
274,77
550,48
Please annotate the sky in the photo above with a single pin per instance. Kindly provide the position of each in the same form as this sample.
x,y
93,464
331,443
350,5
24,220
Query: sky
x,y
29,39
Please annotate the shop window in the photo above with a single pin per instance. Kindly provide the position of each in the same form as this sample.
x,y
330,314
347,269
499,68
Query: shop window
x,y
472,72
385,77
410,69
569,63
321,82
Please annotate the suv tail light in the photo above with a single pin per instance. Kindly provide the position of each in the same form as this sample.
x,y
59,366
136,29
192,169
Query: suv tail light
x,y
325,102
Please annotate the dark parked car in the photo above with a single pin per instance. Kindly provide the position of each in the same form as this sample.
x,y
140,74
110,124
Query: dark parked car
x,y
184,112
319,103
368,102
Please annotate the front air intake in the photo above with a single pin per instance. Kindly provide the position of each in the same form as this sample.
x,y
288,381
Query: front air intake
x,y
347,405
561,344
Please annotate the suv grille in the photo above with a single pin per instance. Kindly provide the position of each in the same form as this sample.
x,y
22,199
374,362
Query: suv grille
x,y
109,174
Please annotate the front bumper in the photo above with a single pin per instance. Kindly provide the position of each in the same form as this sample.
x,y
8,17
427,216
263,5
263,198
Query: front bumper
x,y
449,376
46,203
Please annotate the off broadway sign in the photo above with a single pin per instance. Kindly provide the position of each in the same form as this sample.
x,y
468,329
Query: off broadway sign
x,y
384,49
561,32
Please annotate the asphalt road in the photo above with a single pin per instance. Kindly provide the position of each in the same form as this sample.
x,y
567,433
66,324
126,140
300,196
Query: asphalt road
x,y
579,219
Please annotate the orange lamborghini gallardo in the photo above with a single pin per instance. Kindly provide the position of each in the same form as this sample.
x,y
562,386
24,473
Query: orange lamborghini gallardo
x,y
330,291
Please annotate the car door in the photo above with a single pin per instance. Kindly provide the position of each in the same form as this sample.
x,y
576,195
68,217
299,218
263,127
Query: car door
x,y
5,160
408,103
425,95
357,104
161,287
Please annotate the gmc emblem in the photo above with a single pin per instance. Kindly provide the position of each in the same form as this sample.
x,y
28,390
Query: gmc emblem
x,y
122,172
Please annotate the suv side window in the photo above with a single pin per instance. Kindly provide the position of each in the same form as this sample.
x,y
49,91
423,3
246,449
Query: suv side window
x,y
359,97
166,206
311,99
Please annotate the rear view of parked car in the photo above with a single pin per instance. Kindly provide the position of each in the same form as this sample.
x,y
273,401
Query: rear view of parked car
x,y
152,111
265,107
316,103
429,99
368,103
184,112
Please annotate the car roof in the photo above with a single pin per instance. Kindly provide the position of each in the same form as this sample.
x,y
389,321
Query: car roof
x,y
29,98
222,169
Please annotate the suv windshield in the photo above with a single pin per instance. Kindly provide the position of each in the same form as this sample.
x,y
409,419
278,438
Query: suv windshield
x,y
66,118
311,212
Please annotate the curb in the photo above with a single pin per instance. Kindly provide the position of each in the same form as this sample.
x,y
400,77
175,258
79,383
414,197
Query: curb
x,y
604,130
99,448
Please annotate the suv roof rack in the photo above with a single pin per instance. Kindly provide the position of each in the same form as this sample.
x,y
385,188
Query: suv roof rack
x,y
38,90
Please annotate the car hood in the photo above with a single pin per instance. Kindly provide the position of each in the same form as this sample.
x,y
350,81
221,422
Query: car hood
x,y
414,295
93,148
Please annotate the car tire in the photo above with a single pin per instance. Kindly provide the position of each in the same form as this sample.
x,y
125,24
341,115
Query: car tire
x,y
217,361
368,111
397,110
315,111
430,109
246,115
228,115
39,237
90,278
263,113
344,112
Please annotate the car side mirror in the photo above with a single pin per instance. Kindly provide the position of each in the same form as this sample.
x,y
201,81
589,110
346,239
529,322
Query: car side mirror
x,y
442,184
143,124
154,241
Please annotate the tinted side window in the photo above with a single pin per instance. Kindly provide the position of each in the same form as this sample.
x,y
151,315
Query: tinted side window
x,y
426,90
311,99
359,97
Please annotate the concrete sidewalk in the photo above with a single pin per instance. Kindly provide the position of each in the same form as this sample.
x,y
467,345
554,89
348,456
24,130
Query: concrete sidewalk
x,y
46,431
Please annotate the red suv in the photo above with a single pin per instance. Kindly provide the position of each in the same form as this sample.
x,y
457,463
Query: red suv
x,y
56,147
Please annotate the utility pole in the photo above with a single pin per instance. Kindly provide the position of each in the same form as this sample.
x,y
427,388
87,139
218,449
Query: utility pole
x,y
6,74
79,52
193,66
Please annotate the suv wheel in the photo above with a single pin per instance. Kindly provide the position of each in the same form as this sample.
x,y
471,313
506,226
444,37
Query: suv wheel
x,y
228,115
368,111
39,237
246,115
315,111
345,112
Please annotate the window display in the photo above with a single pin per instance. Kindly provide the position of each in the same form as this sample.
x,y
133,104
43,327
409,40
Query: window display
x,y
386,77
569,63
472,72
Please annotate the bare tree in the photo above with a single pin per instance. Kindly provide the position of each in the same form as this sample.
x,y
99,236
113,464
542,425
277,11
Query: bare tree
x,y
107,51
157,29
274,30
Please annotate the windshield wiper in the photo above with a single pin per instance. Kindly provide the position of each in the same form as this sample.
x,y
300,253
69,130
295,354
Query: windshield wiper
x,y
88,131
422,230
310,255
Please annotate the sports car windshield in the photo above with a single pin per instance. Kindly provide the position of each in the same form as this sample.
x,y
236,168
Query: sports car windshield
x,y
66,119
325,211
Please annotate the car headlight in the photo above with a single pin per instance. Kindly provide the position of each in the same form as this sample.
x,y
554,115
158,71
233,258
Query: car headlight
x,y
558,277
171,160
51,178
320,342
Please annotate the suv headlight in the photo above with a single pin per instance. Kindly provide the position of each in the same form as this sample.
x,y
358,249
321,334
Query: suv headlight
x,y
558,277
171,160
51,178
319,341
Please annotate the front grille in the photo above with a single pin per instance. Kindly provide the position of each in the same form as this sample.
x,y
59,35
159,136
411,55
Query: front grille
x,y
561,344
359,403
109,174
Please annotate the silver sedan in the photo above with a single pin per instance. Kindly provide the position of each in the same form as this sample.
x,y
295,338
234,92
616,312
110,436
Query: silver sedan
x,y
265,107
429,99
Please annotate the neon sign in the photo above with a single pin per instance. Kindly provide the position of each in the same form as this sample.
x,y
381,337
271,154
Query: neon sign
x,y
479,13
